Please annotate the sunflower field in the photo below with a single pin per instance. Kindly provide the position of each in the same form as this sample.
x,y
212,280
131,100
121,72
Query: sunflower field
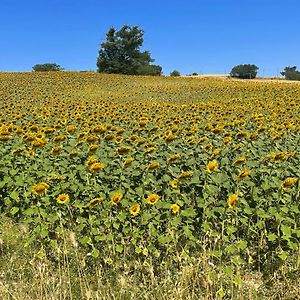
x,y
149,168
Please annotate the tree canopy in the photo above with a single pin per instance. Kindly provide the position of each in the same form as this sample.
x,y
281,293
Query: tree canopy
x,y
246,71
291,73
47,67
121,54
175,73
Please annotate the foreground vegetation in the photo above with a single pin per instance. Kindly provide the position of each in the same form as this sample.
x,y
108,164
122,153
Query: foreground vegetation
x,y
120,187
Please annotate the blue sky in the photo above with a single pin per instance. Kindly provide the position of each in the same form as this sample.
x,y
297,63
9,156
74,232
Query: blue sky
x,y
204,36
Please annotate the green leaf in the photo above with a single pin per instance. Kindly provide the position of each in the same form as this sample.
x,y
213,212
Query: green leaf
x,y
242,244
164,239
119,248
14,195
271,237
283,255
95,253
14,210
286,230
189,212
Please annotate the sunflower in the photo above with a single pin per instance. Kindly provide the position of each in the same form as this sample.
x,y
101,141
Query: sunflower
x,y
56,150
232,200
94,202
124,150
239,161
152,199
135,209
63,198
93,148
97,166
244,173
175,208
18,150
174,183
116,197
73,153
40,188
185,175
91,160
173,158
92,138
288,182
128,162
212,166
154,165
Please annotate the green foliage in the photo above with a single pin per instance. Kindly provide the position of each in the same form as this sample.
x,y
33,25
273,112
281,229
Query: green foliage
x,y
47,67
120,53
246,71
291,73
175,73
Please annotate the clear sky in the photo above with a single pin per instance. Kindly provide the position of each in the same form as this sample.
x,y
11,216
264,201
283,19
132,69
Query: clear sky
x,y
203,36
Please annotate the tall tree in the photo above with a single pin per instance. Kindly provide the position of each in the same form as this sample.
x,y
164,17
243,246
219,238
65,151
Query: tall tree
x,y
246,71
121,54
291,73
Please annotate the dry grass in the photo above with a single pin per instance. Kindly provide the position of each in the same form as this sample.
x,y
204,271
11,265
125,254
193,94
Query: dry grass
x,y
29,274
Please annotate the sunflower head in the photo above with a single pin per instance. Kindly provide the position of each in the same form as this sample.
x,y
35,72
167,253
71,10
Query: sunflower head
x,y
40,188
94,202
175,208
152,199
288,182
63,198
212,166
232,200
97,166
116,197
135,209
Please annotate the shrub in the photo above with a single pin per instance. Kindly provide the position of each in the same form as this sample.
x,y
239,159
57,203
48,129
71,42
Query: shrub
x,y
47,67
291,73
175,73
246,71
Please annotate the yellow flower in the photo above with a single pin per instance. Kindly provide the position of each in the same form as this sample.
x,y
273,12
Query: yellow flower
x,y
135,209
40,188
56,150
91,160
185,175
124,150
154,165
63,199
116,198
239,160
232,200
18,150
173,158
174,183
212,166
149,150
93,148
278,155
128,162
152,199
73,153
94,202
174,208
244,173
92,138
95,167
288,182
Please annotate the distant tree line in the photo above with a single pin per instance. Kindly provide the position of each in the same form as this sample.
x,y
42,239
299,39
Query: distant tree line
x,y
291,73
121,53
47,67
